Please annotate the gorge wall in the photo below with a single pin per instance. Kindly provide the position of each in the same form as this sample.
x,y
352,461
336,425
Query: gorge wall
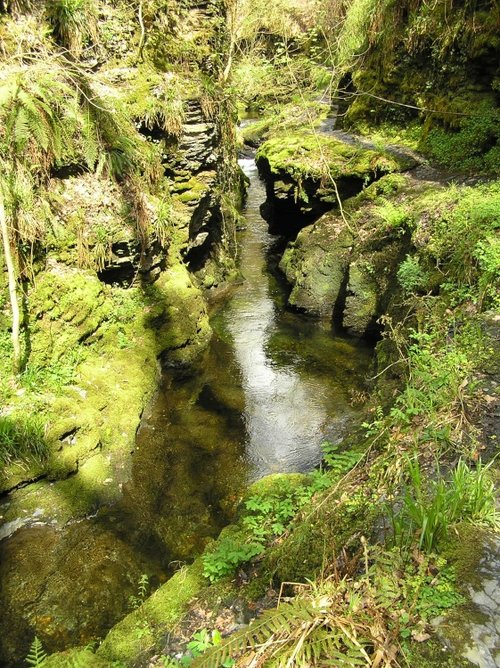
x,y
115,267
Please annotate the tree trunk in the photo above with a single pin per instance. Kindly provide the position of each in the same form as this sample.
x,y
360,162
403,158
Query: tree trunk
x,y
11,271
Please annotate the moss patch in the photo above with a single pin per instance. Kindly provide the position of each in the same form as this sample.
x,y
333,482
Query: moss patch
x,y
136,634
309,154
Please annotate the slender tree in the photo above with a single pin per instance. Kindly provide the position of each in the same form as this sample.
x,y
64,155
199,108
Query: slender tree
x,y
11,273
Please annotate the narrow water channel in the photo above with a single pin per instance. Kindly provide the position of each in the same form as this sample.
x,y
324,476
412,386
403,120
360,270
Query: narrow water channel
x,y
270,389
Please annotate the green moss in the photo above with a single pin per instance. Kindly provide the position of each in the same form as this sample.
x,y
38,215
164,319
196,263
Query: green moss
x,y
189,191
474,146
75,657
315,264
433,654
361,307
464,548
161,612
85,408
307,154
433,71
285,118
330,524
67,306
179,317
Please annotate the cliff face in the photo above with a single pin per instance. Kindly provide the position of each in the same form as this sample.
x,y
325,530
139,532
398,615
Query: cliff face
x,y
115,267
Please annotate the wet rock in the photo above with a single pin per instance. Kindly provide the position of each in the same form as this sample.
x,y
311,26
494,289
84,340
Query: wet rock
x,y
473,632
52,595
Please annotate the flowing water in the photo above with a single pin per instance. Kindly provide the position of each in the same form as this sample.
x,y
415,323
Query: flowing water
x,y
270,389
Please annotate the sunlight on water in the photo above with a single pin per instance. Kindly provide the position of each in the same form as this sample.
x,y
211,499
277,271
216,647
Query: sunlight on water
x,y
286,413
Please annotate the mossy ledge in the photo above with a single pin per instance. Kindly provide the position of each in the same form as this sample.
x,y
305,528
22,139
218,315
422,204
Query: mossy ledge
x,y
307,172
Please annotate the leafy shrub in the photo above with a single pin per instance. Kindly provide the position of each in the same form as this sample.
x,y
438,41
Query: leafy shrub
x,y
266,516
411,276
487,253
346,620
135,601
461,229
227,556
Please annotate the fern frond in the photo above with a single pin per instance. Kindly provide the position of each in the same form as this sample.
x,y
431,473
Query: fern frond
x,y
90,145
7,92
278,622
39,129
21,130
37,655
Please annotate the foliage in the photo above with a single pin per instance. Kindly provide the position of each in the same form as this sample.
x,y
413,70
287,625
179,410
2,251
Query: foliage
x,y
54,375
339,463
352,618
461,224
22,438
260,81
37,656
471,147
227,556
135,601
51,115
393,216
411,276
351,39
269,514
156,100
74,23
430,510
200,643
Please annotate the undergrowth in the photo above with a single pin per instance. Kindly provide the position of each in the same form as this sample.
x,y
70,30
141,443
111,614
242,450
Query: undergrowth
x,y
359,613
22,439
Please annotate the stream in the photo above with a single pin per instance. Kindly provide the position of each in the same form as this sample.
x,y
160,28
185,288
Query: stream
x,y
272,386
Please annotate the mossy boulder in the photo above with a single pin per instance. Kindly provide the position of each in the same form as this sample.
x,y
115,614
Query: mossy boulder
x,y
79,656
315,264
139,631
306,173
344,266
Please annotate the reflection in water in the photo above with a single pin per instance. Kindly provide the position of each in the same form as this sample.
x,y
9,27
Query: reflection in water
x,y
286,412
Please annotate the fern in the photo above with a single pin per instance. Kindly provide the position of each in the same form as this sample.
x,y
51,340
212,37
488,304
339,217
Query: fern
x,y
21,132
304,632
339,463
37,654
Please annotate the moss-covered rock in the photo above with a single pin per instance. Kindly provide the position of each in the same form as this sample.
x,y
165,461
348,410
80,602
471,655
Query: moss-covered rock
x,y
139,631
179,316
344,266
315,264
307,172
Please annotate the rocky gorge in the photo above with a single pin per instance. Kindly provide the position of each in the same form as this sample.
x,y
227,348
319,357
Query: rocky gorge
x,y
243,411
